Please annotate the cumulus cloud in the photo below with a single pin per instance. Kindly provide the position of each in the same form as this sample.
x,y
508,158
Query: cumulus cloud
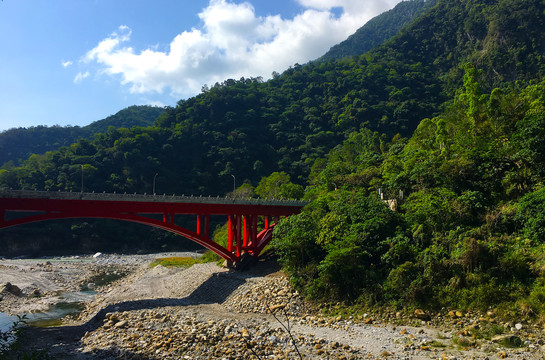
x,y
80,76
66,64
232,42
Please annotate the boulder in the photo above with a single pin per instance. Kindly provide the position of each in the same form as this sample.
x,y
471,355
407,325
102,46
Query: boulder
x,y
10,288
121,324
508,340
422,315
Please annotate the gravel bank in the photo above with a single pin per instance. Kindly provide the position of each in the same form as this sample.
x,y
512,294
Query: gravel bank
x,y
208,312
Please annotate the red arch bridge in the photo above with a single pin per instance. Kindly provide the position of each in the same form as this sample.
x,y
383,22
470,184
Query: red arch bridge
x,y
19,207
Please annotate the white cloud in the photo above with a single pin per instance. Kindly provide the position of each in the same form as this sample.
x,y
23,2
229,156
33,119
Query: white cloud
x,y
232,42
66,64
156,103
80,76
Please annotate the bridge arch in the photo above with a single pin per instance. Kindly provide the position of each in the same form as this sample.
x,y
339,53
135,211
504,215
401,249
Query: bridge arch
x,y
244,236
171,227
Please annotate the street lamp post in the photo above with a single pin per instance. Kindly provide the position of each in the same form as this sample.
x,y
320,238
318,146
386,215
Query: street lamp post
x,y
234,184
81,177
154,177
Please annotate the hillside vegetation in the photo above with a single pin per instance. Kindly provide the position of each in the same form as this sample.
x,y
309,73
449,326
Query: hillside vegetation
x,y
468,231
379,29
445,119
17,144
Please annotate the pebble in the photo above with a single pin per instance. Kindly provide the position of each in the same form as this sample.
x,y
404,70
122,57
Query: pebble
x,y
190,336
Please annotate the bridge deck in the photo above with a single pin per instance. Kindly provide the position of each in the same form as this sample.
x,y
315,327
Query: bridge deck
x,y
62,195
244,236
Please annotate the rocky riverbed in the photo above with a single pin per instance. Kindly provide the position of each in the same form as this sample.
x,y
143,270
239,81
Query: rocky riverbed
x,y
209,312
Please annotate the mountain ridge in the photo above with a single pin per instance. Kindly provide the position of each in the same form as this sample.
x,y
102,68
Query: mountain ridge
x,y
19,143
378,29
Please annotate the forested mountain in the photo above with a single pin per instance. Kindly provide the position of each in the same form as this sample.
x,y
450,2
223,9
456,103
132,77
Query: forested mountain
x,y
445,119
136,115
379,29
19,143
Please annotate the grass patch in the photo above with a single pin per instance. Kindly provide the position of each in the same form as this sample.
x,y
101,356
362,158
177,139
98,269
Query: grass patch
x,y
175,261
512,342
436,344
185,261
104,278
464,342
487,332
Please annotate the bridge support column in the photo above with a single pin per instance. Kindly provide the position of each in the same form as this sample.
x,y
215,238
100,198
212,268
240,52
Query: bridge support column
x,y
250,233
254,235
246,232
230,233
168,218
234,240
206,227
202,224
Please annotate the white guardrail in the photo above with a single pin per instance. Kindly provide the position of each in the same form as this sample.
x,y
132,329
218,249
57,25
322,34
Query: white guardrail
x,y
34,194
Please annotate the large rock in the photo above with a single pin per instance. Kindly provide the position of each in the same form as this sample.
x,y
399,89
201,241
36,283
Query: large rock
x,y
508,340
10,288
422,315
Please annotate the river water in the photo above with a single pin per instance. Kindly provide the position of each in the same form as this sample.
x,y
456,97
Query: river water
x,y
6,321
71,303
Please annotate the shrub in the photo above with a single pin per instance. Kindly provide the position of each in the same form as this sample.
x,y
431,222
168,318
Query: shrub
x,y
531,215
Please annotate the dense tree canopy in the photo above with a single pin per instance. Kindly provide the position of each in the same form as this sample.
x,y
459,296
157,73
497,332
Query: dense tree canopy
x,y
468,228
378,30
18,144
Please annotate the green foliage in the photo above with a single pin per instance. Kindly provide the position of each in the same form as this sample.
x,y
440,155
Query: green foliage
x,y
277,186
431,210
136,115
378,30
18,144
295,244
466,190
531,215
337,250
11,347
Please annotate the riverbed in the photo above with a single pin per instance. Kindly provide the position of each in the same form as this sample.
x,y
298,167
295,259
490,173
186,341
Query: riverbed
x,y
209,312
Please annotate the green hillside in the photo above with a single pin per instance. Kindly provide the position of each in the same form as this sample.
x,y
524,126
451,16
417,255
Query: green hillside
x,y
19,143
445,120
136,115
379,29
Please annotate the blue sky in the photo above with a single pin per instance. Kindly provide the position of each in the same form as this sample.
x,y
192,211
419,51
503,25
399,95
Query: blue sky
x,y
72,62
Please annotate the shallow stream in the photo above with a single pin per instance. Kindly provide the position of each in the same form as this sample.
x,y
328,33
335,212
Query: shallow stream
x,y
6,321
70,304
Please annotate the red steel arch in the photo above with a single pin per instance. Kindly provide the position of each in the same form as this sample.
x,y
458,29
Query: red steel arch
x,y
242,214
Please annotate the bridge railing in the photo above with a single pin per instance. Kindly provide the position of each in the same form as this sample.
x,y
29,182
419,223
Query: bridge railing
x,y
34,194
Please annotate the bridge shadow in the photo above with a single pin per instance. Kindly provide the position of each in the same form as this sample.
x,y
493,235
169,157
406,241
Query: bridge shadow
x,y
215,290
63,341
